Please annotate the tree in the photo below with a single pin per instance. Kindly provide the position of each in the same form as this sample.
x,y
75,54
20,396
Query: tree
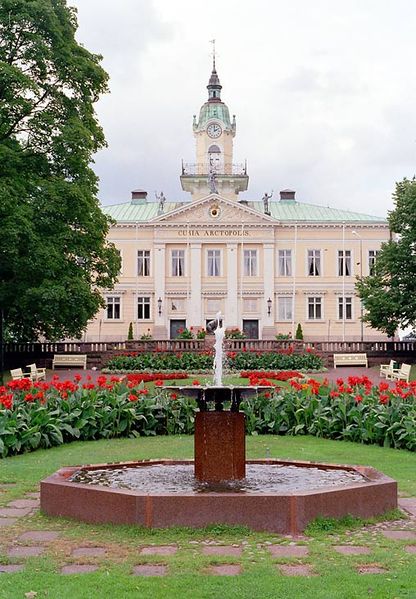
x,y
54,257
299,332
130,335
389,293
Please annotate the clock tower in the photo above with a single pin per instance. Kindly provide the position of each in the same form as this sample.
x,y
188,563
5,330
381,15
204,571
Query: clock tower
x,y
214,170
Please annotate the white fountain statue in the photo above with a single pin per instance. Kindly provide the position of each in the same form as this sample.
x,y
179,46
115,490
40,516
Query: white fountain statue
x,y
218,347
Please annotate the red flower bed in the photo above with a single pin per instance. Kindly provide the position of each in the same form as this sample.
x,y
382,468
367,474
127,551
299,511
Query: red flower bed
x,y
283,375
147,377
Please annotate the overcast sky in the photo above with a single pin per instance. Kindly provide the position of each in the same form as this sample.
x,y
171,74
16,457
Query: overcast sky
x,y
323,92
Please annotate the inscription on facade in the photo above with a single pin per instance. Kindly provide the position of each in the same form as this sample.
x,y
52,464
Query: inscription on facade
x,y
213,233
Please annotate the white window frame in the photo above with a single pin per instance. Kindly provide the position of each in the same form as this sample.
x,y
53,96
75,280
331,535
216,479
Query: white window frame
x,y
371,260
342,301
344,258
219,253
286,315
113,300
177,258
284,261
144,303
250,253
315,253
321,303
144,258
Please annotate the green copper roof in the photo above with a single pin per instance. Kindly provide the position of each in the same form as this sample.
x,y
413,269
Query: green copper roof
x,y
136,212
291,210
283,210
213,110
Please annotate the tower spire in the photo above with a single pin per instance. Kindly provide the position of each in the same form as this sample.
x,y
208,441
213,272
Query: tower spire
x,y
214,87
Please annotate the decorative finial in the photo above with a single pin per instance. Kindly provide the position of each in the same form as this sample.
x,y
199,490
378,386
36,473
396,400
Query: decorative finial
x,y
213,54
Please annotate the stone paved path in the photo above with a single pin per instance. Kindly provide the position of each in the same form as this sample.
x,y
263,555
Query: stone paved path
x,y
291,555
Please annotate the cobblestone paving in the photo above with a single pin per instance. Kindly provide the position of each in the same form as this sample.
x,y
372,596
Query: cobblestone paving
x,y
291,555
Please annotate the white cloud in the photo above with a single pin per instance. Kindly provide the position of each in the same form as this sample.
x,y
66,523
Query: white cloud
x,y
323,92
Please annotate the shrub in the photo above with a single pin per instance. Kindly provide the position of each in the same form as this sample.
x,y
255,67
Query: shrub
x,y
234,334
299,332
185,334
284,360
130,336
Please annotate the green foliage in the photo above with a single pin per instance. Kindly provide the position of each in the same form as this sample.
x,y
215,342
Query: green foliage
x,y
185,334
299,332
130,335
389,293
54,257
201,334
68,412
234,334
204,361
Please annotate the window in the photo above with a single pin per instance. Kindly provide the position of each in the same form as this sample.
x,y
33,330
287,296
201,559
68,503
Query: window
x,y
113,308
250,263
348,308
143,308
143,263
177,304
285,263
214,263
285,304
372,257
314,263
178,263
344,257
314,308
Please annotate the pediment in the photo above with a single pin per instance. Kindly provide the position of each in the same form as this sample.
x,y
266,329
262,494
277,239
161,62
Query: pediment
x,y
214,209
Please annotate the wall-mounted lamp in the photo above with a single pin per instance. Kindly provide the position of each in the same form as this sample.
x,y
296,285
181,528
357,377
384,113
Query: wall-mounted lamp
x,y
159,306
269,306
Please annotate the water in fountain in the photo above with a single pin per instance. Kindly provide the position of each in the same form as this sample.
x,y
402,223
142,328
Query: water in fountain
x,y
218,347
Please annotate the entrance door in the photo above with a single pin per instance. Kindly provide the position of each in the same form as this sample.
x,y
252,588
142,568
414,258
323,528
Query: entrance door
x,y
175,327
251,329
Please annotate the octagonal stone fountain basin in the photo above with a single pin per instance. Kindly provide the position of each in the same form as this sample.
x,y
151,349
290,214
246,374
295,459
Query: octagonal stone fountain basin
x,y
363,492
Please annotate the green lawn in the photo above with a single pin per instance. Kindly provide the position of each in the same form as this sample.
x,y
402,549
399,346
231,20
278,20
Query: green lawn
x,y
188,578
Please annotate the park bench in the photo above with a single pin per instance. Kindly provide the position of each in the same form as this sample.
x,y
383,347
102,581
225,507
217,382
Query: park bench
x,y
17,374
36,374
350,360
402,374
388,369
77,360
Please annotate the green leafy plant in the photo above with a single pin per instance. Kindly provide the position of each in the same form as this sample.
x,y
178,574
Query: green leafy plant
x,y
299,332
130,336
234,334
146,336
185,334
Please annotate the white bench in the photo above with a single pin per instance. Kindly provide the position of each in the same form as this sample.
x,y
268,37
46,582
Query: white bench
x,y
17,374
36,374
77,360
350,360
402,374
388,369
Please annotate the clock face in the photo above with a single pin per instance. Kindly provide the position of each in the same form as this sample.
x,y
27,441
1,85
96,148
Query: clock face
x,y
214,130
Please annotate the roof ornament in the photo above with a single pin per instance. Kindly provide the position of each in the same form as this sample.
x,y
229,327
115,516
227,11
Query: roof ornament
x,y
266,204
161,199
213,53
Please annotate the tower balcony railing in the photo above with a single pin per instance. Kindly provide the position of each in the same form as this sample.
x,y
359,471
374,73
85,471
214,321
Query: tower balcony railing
x,y
203,169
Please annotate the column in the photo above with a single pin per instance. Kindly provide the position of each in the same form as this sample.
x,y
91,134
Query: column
x,y
231,303
160,330
194,310
268,329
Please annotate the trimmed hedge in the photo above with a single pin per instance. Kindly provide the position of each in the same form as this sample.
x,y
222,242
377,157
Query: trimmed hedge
x,y
204,361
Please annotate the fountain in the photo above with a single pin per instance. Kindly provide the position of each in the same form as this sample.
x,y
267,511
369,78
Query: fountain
x,y
272,495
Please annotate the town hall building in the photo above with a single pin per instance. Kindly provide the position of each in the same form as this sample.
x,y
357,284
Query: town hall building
x,y
267,265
